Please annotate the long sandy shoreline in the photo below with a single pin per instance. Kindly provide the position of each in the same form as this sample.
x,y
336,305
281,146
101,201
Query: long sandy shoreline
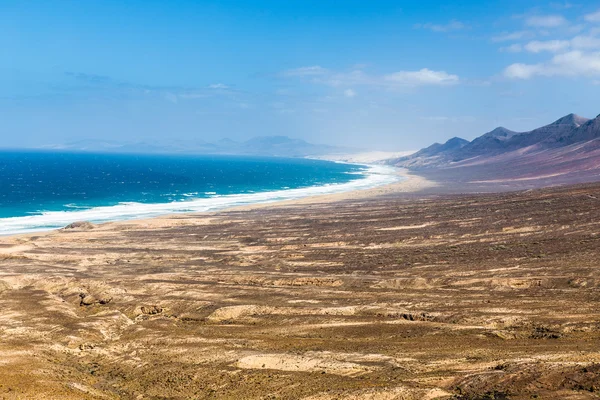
x,y
409,183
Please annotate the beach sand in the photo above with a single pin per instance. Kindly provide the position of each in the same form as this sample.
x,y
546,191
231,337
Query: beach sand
x,y
408,183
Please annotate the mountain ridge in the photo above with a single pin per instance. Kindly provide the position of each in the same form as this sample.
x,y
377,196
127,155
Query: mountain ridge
x,y
565,131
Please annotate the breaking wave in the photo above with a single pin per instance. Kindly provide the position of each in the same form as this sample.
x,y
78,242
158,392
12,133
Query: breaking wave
x,y
373,176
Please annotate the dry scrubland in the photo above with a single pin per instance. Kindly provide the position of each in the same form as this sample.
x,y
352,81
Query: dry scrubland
x,y
479,296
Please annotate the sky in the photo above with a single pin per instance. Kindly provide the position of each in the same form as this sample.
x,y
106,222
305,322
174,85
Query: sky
x,y
381,75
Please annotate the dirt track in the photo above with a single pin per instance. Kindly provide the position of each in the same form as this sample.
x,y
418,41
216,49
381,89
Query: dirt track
x,y
451,296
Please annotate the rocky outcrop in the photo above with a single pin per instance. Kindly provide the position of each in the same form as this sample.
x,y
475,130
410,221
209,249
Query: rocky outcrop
x,y
79,226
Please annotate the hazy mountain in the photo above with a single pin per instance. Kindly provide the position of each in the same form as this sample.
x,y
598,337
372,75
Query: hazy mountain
x,y
283,146
433,154
586,130
502,143
491,141
437,148
280,146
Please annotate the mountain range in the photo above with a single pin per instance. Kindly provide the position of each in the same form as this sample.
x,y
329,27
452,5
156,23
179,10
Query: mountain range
x,y
568,148
277,146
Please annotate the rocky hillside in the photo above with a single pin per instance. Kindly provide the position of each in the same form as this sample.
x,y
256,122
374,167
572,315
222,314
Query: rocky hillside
x,y
502,144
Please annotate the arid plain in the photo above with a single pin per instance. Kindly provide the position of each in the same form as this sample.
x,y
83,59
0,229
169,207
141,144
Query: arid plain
x,y
391,297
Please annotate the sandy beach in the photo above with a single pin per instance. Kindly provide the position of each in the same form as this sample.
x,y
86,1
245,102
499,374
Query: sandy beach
x,y
408,183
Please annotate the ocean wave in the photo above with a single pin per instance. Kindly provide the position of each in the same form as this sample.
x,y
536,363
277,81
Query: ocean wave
x,y
374,176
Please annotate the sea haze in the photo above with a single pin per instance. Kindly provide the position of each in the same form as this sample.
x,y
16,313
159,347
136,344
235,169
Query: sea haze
x,y
47,190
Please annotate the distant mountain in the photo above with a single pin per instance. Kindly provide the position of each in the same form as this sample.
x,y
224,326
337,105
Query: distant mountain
x,y
565,151
453,144
433,154
277,146
283,146
565,131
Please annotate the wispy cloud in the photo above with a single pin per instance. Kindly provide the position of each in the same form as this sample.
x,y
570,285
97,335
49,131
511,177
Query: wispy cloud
x,y
218,86
586,42
546,21
314,70
573,63
553,46
453,25
90,78
349,93
513,48
91,83
593,17
562,6
358,77
574,56
512,36
423,77
580,42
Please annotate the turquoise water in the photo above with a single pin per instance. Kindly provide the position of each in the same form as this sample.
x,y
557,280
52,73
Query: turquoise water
x,y
46,190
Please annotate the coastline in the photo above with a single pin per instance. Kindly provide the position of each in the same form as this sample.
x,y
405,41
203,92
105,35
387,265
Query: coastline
x,y
409,183
406,183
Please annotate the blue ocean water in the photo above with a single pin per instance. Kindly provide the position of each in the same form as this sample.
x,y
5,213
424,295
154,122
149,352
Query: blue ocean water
x,y
46,190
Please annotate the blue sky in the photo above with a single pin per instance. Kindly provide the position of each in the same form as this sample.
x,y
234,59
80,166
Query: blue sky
x,y
387,75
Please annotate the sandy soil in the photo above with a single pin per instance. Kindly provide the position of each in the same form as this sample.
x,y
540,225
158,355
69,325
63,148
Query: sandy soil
x,y
373,297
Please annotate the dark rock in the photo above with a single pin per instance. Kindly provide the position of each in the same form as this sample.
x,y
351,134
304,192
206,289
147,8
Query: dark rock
x,y
80,226
151,310
87,300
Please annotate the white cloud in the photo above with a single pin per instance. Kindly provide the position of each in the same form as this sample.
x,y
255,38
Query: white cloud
x,y
511,36
585,42
580,42
349,93
513,48
218,86
593,17
314,70
553,46
397,79
574,29
546,21
577,63
573,63
577,55
422,77
521,71
451,26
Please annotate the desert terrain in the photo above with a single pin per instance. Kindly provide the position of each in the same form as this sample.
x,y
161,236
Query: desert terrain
x,y
479,296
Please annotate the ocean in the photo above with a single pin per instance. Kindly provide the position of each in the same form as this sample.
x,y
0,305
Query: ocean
x,y
48,190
